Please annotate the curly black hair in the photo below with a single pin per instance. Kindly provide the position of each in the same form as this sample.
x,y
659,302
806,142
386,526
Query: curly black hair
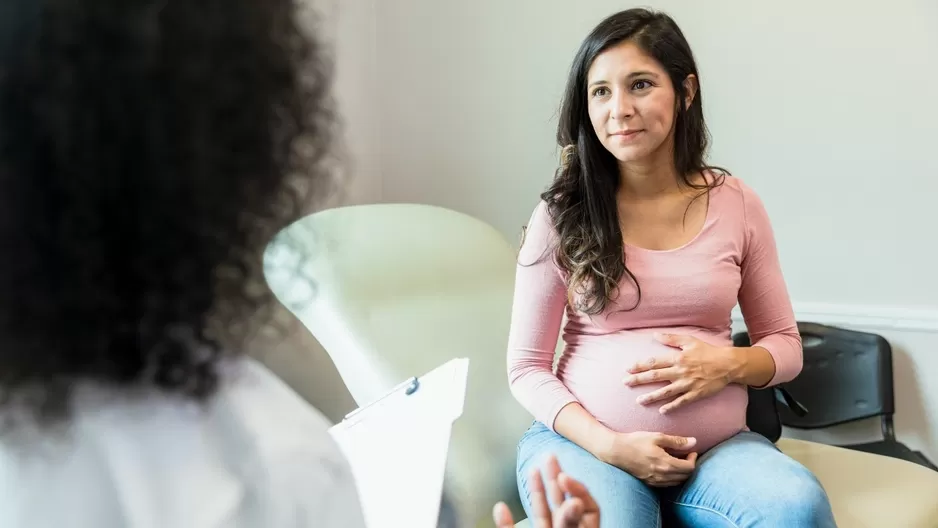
x,y
149,150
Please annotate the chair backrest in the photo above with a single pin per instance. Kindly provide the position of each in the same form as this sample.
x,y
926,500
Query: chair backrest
x,y
395,290
847,376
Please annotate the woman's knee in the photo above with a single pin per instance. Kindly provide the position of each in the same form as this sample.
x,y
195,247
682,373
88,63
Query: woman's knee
x,y
801,500
624,500
792,498
796,493
768,487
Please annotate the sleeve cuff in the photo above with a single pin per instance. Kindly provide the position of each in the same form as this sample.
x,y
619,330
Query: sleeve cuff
x,y
555,410
787,356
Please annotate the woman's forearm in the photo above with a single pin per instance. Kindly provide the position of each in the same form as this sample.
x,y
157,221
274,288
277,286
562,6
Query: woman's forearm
x,y
576,424
755,366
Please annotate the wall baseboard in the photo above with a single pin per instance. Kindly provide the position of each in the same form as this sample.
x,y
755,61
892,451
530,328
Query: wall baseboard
x,y
866,317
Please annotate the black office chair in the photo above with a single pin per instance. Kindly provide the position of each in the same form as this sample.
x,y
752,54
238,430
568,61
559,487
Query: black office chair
x,y
847,376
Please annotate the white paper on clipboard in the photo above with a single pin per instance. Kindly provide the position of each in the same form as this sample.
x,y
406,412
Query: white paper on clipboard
x,y
397,447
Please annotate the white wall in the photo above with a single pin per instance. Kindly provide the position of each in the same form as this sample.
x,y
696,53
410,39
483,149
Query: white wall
x,y
356,78
826,108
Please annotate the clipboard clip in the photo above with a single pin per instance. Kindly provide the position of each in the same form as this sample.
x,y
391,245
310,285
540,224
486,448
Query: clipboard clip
x,y
409,387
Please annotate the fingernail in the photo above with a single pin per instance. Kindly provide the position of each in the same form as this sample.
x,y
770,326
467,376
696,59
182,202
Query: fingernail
x,y
628,380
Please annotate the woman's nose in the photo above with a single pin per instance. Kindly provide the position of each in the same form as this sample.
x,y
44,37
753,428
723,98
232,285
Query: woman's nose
x,y
624,108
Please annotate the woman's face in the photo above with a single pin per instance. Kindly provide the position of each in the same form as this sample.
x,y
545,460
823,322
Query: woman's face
x,y
632,103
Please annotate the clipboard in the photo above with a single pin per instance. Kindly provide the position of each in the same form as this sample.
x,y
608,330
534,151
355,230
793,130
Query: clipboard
x,y
397,447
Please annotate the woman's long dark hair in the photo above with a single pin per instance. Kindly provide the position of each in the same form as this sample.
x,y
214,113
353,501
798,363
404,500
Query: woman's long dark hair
x,y
581,201
149,150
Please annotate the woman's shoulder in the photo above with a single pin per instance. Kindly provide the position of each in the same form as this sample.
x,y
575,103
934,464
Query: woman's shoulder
x,y
260,400
741,203
737,195
541,214
734,185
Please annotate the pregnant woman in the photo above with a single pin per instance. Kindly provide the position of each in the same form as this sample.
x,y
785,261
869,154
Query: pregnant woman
x,y
646,249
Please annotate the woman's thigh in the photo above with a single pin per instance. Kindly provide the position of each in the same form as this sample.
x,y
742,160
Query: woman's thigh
x,y
747,482
624,501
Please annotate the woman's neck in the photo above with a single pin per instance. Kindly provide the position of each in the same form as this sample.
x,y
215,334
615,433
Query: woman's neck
x,y
647,179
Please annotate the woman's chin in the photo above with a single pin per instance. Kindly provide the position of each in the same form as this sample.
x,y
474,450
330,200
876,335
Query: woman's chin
x,y
639,153
631,155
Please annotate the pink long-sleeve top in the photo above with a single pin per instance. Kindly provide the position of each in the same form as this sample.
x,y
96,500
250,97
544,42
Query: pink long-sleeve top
x,y
689,290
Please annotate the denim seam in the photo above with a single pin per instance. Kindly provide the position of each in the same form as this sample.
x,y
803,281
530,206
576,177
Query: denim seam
x,y
527,494
711,510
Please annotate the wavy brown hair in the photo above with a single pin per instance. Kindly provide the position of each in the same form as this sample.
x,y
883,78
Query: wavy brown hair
x,y
149,150
581,201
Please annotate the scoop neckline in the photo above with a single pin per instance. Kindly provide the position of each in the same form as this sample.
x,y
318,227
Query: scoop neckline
x,y
708,220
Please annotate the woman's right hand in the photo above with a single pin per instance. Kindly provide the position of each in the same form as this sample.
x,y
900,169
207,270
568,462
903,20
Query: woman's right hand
x,y
646,457
573,505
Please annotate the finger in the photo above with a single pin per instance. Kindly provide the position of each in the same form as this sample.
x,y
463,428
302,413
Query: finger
x,y
681,467
681,443
669,373
502,515
577,490
651,364
683,400
675,475
675,340
539,506
669,391
552,470
569,514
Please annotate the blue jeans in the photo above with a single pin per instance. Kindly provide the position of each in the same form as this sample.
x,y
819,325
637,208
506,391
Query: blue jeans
x,y
743,482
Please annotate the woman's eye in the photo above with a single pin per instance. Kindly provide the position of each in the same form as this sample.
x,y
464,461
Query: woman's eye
x,y
641,85
599,92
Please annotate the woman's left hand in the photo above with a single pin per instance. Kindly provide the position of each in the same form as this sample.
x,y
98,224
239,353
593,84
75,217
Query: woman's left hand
x,y
695,370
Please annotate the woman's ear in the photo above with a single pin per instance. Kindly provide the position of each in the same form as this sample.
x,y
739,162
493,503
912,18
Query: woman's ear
x,y
690,90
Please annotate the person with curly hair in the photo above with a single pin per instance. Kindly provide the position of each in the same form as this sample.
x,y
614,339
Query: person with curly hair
x,y
149,150
639,250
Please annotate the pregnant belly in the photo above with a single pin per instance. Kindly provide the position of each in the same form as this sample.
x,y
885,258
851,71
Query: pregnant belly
x,y
594,368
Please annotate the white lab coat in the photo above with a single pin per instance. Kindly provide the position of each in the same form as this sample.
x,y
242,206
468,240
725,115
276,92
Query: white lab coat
x,y
256,456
